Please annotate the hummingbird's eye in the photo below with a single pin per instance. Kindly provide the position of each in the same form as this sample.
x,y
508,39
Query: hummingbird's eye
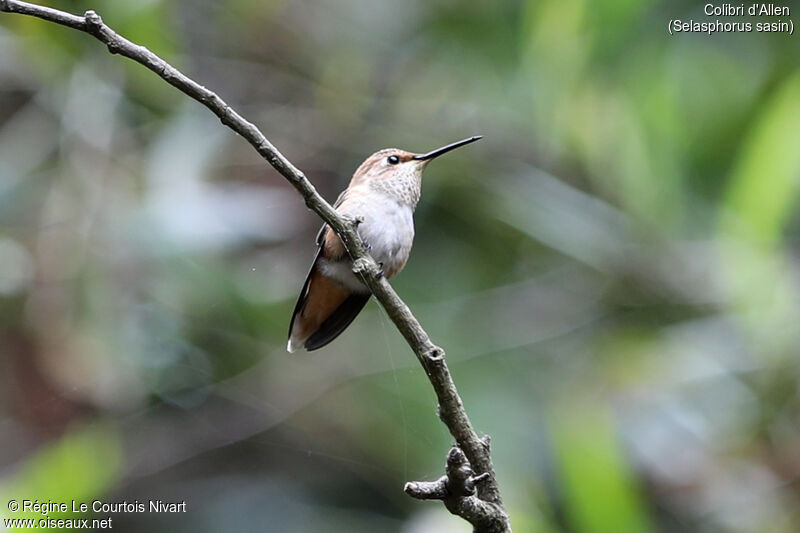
x,y
393,159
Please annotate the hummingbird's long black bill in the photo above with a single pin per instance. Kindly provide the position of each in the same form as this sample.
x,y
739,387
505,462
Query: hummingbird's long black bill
x,y
445,149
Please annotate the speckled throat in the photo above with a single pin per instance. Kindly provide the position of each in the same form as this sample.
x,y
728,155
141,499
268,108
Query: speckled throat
x,y
403,185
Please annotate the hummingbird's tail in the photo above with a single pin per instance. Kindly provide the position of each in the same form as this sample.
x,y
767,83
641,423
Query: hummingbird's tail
x,y
323,311
335,324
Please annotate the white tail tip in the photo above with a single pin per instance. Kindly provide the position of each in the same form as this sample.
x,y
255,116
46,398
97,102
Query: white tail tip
x,y
290,347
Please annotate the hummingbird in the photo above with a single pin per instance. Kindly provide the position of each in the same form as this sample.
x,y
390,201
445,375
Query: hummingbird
x,y
382,195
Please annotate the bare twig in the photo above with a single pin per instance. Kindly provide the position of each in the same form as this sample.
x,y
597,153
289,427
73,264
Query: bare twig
x,y
486,511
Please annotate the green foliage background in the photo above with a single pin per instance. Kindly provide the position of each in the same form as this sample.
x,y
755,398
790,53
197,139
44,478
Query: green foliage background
x,y
613,270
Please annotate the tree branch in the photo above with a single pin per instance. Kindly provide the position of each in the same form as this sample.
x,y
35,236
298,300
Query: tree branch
x,y
485,511
456,489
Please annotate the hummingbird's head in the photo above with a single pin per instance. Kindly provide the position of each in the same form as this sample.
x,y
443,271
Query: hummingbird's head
x,y
399,173
387,164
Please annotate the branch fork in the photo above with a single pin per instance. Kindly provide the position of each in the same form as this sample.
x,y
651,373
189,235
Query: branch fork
x,y
456,489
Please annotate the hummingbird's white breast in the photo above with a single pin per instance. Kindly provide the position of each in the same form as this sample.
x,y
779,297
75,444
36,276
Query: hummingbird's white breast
x,y
387,229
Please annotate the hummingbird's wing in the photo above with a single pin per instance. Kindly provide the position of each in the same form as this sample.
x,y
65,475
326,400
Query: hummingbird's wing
x,y
303,298
324,308
336,204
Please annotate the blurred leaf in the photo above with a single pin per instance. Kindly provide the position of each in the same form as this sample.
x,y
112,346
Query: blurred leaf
x,y
600,495
765,179
80,466
758,204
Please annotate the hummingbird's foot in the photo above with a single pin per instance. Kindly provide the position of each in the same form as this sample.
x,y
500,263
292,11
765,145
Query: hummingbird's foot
x,y
363,267
353,221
